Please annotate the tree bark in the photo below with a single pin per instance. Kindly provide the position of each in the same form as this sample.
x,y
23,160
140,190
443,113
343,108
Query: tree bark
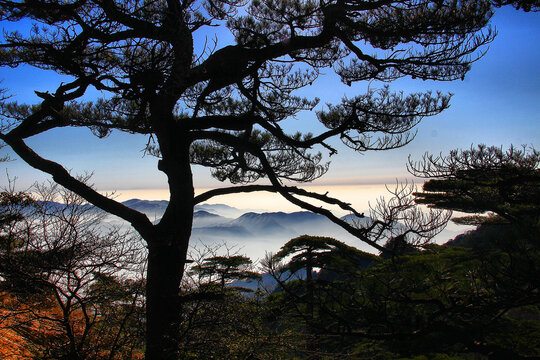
x,y
165,269
167,250
166,260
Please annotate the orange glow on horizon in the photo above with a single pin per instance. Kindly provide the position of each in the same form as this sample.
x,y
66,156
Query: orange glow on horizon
x,y
358,195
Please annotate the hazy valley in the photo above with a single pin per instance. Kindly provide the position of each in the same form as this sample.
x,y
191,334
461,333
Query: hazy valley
x,y
254,232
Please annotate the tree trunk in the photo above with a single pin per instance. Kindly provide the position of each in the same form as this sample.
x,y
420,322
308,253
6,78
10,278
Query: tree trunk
x,y
167,252
168,244
165,269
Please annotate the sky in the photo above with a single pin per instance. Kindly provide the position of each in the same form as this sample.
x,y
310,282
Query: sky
x,y
498,103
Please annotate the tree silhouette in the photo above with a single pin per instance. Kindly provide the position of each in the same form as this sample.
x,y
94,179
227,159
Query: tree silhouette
x,y
484,179
222,108
307,269
501,189
64,288
220,321
222,270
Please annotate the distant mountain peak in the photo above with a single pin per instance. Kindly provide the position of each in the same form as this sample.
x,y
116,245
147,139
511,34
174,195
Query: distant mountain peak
x,y
280,214
203,213
140,201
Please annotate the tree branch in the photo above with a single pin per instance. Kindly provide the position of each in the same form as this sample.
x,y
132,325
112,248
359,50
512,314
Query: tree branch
x,y
269,188
60,175
231,140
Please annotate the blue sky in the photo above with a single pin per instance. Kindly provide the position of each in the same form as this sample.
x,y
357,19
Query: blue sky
x,y
498,103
